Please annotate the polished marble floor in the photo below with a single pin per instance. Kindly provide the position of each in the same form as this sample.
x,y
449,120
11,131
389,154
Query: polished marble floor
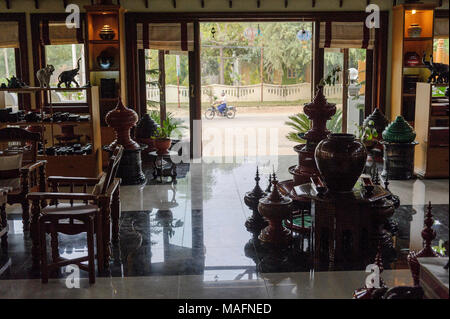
x,y
189,240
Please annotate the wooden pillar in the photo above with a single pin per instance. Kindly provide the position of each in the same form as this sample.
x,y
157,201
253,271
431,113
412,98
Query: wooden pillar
x,y
369,103
195,98
162,85
345,92
318,58
142,85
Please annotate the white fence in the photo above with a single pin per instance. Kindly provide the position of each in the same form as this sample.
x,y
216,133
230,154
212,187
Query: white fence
x,y
247,93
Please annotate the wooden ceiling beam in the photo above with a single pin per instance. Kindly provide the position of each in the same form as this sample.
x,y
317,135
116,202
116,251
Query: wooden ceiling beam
x,y
258,4
8,4
202,3
230,3
286,3
313,3
36,4
341,2
146,3
174,4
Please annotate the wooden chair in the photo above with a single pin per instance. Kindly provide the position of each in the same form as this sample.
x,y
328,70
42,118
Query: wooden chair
x,y
31,175
91,216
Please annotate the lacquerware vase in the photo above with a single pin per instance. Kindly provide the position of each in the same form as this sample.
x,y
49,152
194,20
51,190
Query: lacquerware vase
x,y
340,159
399,131
379,121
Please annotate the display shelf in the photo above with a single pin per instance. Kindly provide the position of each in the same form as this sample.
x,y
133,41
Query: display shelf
x,y
98,16
89,165
431,158
405,16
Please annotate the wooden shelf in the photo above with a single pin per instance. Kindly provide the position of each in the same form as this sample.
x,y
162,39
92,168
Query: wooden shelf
x,y
419,39
105,70
104,41
38,89
415,66
45,123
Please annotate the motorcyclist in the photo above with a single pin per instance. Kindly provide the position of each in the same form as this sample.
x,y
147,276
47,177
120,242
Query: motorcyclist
x,y
223,104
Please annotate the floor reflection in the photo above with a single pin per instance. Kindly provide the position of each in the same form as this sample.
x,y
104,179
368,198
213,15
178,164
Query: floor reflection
x,y
197,228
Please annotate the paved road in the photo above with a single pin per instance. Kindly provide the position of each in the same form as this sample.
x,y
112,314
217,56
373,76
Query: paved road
x,y
272,123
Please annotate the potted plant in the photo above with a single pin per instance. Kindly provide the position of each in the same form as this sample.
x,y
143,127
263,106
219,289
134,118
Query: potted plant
x,y
165,132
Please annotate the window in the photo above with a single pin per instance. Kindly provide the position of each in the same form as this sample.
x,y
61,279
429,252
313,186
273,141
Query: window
x,y
7,64
292,74
7,70
65,57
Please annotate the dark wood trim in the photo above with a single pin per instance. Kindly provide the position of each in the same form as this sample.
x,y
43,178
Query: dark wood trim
x,y
380,62
318,60
21,55
345,90
141,109
441,13
162,86
132,66
369,87
350,16
191,62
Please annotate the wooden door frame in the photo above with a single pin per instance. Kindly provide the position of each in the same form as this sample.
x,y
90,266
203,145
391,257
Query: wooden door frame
x,y
20,55
377,95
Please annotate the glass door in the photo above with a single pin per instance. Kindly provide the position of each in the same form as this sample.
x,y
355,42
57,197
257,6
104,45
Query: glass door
x,y
349,90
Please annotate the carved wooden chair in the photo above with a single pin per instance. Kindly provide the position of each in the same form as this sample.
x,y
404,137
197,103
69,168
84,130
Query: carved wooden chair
x,y
30,177
92,215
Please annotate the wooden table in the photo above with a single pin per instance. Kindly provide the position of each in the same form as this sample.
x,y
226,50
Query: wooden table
x,y
347,226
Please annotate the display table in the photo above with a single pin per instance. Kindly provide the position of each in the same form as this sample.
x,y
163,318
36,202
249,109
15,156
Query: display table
x,y
164,166
347,227
433,277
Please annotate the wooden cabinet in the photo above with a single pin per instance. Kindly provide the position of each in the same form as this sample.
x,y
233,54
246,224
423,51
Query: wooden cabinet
x,y
106,56
407,46
432,129
88,165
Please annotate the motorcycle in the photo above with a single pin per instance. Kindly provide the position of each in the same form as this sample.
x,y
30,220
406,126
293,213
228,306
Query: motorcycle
x,y
229,112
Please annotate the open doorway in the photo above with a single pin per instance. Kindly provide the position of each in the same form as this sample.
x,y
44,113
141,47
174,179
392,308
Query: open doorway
x,y
263,70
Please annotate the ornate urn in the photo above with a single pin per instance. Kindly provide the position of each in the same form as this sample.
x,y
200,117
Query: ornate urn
x,y
340,159
145,129
379,121
399,131
275,208
107,33
255,222
122,119
319,111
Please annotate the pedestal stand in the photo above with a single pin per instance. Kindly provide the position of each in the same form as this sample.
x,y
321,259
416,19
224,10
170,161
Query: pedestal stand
x,y
130,167
398,160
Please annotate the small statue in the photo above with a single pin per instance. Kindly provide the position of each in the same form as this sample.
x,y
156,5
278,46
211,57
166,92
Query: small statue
x,y
43,75
439,71
67,77
15,83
